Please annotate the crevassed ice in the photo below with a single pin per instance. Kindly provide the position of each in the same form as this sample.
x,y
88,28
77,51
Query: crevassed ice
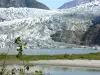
x,y
36,25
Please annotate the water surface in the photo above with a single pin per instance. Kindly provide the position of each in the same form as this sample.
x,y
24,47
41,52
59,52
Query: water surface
x,y
51,51
61,70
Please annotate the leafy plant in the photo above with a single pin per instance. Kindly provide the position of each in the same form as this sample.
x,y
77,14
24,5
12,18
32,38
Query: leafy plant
x,y
38,73
20,46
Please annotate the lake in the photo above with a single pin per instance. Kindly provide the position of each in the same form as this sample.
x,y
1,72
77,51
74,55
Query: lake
x,y
52,51
65,70
61,70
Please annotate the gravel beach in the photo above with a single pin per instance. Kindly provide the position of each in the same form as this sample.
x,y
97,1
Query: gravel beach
x,y
74,63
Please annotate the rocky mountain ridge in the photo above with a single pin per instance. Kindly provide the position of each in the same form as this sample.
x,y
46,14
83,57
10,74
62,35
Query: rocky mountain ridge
x,y
75,3
22,3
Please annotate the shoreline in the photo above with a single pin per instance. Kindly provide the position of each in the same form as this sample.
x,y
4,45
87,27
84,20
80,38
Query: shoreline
x,y
72,63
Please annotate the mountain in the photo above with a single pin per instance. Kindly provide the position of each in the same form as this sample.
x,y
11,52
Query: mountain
x,y
92,35
22,3
75,3
50,28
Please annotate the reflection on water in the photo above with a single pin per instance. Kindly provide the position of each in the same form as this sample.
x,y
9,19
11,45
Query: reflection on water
x,y
64,70
61,70
52,51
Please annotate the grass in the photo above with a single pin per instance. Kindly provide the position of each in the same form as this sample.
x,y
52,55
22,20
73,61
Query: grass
x,y
91,56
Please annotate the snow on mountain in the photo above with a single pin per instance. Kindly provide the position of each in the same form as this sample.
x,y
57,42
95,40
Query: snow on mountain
x,y
37,26
75,3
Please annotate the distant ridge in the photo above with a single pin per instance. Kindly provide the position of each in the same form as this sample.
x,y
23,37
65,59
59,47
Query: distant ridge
x,y
75,3
22,3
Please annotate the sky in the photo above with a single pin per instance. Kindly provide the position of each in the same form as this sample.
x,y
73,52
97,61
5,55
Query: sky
x,y
53,4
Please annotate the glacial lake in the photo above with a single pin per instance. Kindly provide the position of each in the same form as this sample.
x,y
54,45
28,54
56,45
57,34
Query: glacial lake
x,y
51,51
65,70
60,70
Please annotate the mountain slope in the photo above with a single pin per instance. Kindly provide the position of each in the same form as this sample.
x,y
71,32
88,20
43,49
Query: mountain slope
x,y
75,3
92,36
22,3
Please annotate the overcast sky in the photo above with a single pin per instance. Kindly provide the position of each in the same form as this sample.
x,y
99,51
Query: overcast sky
x,y
54,4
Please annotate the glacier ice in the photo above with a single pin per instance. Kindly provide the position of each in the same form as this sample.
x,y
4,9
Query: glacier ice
x,y
36,25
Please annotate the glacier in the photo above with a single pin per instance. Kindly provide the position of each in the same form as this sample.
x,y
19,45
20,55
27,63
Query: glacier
x,y
36,26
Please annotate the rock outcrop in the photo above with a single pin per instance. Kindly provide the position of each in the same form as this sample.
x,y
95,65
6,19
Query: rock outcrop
x,y
92,35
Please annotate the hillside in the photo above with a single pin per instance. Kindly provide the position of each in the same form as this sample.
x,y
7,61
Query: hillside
x,y
75,3
22,3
